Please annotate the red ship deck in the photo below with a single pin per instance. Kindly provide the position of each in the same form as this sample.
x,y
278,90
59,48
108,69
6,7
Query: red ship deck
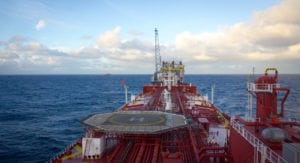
x,y
190,129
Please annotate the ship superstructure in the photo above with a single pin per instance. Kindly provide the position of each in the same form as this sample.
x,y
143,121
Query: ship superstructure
x,y
169,121
267,137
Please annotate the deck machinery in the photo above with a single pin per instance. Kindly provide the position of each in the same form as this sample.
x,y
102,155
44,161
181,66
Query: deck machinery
x,y
170,122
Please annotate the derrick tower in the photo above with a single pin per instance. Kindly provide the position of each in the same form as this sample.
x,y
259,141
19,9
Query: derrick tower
x,y
157,57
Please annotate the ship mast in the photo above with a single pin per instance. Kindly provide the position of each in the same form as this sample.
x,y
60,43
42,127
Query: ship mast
x,y
157,57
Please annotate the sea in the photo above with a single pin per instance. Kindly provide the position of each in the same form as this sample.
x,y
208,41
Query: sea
x,y
40,114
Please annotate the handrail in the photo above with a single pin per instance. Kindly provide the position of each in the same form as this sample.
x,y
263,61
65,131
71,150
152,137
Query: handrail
x,y
262,87
264,150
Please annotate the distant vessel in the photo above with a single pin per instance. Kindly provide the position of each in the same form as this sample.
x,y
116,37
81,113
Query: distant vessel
x,y
107,74
169,121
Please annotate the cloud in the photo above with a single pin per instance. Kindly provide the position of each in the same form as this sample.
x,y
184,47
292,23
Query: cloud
x,y
286,12
110,39
135,33
269,38
20,55
17,38
203,57
137,44
40,24
108,55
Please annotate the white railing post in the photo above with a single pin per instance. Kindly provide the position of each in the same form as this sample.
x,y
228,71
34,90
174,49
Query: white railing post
x,y
263,154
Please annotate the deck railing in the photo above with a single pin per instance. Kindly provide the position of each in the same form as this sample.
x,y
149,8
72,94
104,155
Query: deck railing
x,y
262,87
258,145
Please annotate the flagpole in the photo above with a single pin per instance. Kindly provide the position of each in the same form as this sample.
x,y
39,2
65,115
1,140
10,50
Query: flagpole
x,y
125,87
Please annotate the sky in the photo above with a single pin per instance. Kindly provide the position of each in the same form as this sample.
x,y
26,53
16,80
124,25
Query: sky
x,y
117,36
